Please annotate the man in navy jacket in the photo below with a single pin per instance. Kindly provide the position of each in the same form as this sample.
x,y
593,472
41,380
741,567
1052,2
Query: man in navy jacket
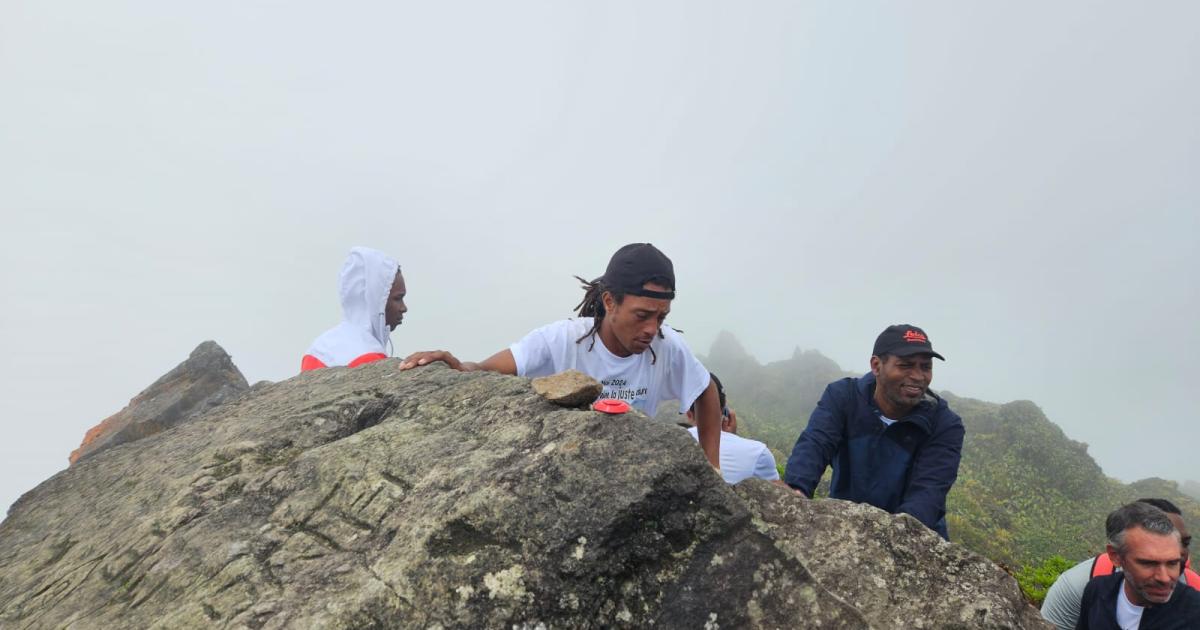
x,y
892,442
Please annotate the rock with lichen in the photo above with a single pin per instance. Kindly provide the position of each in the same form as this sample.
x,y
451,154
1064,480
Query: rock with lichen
x,y
895,571
375,498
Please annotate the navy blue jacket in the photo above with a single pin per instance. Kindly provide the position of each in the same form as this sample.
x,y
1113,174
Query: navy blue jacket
x,y
906,467
1098,608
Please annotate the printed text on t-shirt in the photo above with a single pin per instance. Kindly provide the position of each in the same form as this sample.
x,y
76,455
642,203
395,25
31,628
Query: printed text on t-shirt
x,y
619,389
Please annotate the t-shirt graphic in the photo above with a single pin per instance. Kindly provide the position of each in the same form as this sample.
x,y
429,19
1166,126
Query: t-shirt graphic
x,y
637,379
620,389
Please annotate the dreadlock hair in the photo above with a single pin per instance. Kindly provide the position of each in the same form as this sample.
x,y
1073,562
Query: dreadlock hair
x,y
592,305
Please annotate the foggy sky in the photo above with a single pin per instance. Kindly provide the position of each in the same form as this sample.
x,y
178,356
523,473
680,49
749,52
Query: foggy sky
x,y
1019,179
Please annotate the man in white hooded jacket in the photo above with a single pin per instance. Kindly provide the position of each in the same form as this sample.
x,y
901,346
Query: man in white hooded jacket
x,y
372,292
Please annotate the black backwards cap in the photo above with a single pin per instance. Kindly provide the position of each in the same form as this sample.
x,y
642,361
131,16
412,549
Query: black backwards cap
x,y
636,264
902,340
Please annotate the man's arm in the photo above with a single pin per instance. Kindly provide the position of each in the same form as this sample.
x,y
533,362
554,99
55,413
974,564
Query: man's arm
x,y
933,471
817,444
708,423
502,362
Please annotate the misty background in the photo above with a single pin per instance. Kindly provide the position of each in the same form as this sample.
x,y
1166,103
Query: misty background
x,y
1019,179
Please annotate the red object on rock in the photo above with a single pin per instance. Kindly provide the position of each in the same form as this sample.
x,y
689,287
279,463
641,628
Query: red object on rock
x,y
610,405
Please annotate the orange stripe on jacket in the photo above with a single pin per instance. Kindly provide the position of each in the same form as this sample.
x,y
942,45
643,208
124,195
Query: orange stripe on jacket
x,y
309,362
370,357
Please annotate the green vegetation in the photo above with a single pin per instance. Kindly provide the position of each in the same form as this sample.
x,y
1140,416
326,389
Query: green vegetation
x,y
1025,492
1035,581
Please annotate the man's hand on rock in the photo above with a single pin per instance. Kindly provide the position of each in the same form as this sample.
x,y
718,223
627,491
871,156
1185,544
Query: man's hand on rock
x,y
418,359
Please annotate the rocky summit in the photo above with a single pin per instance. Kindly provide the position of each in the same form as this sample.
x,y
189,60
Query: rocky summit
x,y
375,498
207,378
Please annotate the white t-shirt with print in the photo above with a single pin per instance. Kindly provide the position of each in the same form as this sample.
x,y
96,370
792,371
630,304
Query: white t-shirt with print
x,y
638,379
743,458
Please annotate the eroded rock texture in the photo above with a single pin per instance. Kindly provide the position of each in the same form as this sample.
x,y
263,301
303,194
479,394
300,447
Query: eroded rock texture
x,y
893,569
205,380
374,498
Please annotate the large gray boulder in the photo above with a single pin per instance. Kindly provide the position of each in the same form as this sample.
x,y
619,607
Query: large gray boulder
x,y
206,379
374,498
891,568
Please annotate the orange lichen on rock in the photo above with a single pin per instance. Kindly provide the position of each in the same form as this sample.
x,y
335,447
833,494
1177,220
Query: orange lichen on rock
x,y
91,436
206,379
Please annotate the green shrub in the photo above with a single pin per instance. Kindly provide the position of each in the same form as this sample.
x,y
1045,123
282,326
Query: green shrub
x,y
1035,581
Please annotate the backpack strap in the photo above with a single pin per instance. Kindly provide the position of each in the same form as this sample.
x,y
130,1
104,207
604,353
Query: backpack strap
x,y
1192,579
1102,565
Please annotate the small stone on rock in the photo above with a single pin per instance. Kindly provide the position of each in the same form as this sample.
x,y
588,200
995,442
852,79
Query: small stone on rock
x,y
568,389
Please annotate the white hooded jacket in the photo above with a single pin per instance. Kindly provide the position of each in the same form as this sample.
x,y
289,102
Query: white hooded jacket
x,y
364,285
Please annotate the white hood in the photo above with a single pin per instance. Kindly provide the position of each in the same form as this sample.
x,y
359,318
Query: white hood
x,y
364,285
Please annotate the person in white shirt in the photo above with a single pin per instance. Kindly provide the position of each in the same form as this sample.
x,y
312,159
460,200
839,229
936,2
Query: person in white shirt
x,y
741,458
637,359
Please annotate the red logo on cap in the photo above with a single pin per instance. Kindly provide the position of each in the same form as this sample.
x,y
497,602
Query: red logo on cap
x,y
912,336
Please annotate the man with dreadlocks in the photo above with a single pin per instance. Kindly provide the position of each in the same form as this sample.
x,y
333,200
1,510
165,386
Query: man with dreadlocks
x,y
638,359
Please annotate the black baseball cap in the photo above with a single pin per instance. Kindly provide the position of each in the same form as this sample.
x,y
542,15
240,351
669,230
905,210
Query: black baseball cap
x,y
903,340
636,264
